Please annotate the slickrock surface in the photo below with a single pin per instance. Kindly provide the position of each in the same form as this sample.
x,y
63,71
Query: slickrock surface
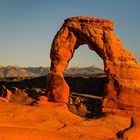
x,y
54,122
122,90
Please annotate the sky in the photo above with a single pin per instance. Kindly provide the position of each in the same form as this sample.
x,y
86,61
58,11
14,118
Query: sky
x,y
27,28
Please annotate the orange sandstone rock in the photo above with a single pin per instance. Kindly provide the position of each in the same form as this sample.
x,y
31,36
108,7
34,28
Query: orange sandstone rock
x,y
122,90
134,132
57,88
41,101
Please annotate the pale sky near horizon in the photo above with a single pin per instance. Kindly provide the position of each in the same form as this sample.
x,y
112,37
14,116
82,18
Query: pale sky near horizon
x,y
27,28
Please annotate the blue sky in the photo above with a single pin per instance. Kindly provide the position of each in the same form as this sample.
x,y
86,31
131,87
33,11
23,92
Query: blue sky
x,y
27,28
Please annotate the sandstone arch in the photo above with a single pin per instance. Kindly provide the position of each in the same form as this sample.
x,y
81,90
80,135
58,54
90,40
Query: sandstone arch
x,y
122,91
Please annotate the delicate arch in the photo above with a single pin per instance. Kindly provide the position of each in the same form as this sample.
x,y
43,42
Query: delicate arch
x,y
119,64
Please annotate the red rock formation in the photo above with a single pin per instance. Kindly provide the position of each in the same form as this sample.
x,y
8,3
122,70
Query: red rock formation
x,y
122,91
5,95
14,95
57,88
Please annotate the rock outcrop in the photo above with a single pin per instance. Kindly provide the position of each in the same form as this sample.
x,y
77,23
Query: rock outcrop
x,y
14,95
122,90
5,94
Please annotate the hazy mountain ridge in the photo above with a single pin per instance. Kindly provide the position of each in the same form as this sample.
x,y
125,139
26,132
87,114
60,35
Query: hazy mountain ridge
x,y
15,71
38,71
84,71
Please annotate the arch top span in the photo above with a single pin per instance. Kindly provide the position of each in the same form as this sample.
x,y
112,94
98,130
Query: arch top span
x,y
104,23
97,33
119,64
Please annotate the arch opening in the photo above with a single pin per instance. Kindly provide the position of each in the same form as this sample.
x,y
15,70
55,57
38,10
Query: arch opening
x,y
86,82
85,57
87,77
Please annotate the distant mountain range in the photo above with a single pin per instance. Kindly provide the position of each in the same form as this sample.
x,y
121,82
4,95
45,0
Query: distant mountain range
x,y
15,71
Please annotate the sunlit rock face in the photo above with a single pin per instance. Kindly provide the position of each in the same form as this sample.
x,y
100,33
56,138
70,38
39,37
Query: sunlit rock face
x,y
122,90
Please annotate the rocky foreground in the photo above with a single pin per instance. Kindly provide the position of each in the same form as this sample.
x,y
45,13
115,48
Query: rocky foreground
x,y
54,122
81,119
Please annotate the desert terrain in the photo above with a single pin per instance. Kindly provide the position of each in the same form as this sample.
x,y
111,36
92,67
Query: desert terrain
x,y
54,122
79,107
80,119
69,70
